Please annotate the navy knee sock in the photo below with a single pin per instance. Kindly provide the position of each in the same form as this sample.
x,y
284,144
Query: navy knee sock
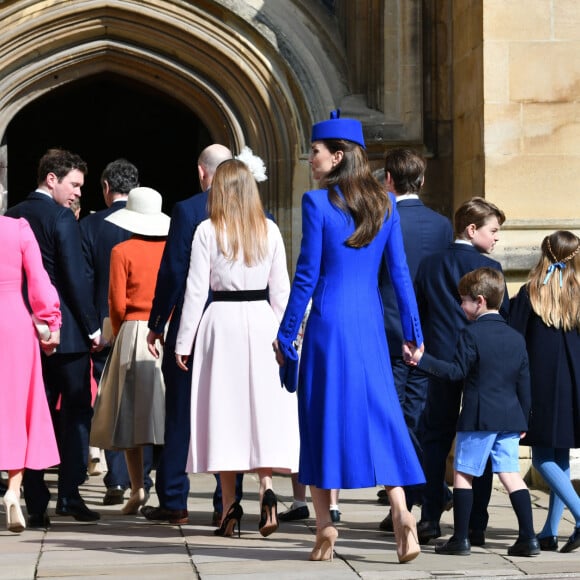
x,y
522,505
462,503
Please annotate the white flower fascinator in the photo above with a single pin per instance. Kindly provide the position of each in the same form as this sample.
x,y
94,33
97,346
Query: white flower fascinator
x,y
255,164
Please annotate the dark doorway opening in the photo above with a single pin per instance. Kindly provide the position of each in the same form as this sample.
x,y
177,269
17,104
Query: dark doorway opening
x,y
102,118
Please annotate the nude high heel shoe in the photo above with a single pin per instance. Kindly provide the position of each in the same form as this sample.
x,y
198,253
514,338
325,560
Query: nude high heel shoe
x,y
137,499
324,546
14,518
406,535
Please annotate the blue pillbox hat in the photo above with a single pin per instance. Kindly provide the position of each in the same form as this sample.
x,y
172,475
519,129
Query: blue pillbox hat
x,y
337,128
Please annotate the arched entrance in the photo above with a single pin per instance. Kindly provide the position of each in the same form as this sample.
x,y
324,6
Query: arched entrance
x,y
101,118
221,66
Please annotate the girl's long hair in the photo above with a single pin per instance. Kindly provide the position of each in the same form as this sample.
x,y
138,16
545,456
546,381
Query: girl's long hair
x,y
363,197
236,211
554,283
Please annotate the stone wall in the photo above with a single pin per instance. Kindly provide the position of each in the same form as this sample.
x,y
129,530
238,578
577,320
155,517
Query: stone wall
x,y
531,121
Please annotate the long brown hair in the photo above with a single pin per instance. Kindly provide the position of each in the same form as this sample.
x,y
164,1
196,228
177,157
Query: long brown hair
x,y
235,210
363,196
554,282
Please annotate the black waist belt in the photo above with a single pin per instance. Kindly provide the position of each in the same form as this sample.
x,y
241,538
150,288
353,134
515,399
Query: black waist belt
x,y
239,295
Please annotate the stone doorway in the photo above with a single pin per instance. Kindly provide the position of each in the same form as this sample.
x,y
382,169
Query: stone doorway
x,y
101,118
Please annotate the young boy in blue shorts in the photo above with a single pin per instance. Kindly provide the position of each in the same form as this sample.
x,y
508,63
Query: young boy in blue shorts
x,y
492,361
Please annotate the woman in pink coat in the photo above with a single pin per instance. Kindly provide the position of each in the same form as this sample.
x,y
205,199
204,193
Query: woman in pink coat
x,y
26,434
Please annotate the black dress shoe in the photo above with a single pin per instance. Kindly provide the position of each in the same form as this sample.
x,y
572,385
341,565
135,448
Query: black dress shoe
x,y
548,544
76,507
573,541
36,521
295,514
454,547
335,516
159,514
114,495
477,537
427,531
387,524
525,548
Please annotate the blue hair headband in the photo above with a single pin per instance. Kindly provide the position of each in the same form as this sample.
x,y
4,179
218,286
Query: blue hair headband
x,y
556,266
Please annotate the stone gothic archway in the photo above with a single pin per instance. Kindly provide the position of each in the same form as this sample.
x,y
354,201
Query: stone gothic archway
x,y
225,66
105,117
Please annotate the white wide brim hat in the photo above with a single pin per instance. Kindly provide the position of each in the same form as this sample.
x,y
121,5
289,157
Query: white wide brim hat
x,y
142,215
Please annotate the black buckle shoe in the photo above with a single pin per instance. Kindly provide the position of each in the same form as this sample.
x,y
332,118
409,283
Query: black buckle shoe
x,y
525,548
114,495
573,541
454,547
38,521
76,508
294,514
159,514
427,531
548,544
335,516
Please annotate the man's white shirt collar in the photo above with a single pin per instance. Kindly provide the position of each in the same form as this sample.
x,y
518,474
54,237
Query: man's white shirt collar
x,y
406,196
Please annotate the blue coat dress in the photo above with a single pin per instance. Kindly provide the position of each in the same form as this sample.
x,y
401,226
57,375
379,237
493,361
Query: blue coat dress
x,y
352,431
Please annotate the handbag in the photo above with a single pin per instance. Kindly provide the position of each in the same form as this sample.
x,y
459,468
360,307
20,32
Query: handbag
x,y
289,370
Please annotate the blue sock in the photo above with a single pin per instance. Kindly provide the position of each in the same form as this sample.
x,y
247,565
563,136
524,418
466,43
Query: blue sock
x,y
555,512
554,467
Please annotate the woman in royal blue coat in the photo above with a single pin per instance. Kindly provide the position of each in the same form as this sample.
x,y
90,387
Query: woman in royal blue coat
x,y
352,431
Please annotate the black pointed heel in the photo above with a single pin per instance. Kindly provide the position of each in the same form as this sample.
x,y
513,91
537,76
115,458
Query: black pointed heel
x,y
269,514
233,517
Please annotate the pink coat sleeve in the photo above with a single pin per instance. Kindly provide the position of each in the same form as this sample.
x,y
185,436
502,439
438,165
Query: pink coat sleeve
x,y
42,295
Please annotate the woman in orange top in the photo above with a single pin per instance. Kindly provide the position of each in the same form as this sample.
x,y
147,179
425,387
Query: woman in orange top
x,y
130,405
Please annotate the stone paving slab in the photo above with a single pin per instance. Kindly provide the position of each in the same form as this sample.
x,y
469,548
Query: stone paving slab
x,y
121,546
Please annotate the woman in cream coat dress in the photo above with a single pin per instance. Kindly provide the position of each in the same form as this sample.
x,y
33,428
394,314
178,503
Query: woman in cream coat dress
x,y
241,418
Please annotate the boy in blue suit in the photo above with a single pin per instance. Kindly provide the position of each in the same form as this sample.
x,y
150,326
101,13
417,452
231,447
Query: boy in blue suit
x,y
477,223
495,411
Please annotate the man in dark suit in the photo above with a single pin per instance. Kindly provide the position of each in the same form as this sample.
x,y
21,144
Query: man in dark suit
x,y
98,239
424,232
172,482
67,372
477,225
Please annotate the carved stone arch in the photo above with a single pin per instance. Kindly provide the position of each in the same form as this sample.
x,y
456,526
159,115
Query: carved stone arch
x,y
226,67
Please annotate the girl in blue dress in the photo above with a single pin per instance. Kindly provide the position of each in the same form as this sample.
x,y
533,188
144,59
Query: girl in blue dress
x,y
352,431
